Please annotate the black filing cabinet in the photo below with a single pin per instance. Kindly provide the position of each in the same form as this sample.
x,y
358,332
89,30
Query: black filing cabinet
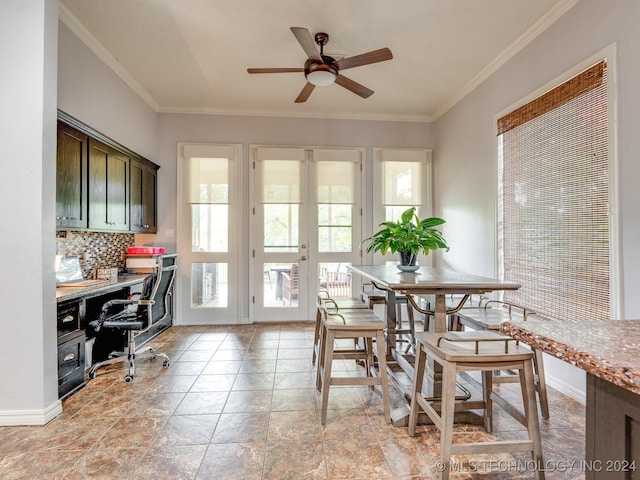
x,y
71,348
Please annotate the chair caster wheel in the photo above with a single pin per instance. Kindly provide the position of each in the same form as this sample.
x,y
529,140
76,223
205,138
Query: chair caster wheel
x,y
128,379
92,375
166,363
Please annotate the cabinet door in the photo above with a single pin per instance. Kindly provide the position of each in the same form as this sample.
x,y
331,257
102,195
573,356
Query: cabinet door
x,y
143,198
71,178
108,188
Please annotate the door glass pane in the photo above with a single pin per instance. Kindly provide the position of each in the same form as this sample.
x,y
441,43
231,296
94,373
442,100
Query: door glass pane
x,y
210,228
401,183
334,279
208,180
209,285
335,182
281,181
281,227
280,285
393,213
334,228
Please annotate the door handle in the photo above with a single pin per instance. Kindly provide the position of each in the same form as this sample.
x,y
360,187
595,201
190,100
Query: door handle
x,y
303,258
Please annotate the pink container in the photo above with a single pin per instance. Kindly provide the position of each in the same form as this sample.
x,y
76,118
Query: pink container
x,y
145,250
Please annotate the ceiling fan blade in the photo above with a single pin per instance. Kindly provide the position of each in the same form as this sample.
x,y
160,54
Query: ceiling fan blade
x,y
307,42
274,70
306,91
355,87
374,56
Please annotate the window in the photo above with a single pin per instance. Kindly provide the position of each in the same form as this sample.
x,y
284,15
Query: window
x,y
401,180
554,199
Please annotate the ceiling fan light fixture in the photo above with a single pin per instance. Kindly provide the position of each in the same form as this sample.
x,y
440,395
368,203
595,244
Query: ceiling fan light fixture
x,y
320,74
321,78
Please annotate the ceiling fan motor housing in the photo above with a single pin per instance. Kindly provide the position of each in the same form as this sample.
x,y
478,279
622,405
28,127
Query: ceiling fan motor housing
x,y
314,65
325,71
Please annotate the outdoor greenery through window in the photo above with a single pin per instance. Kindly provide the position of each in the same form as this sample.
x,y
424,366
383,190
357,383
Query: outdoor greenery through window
x,y
402,187
209,199
334,228
554,200
281,197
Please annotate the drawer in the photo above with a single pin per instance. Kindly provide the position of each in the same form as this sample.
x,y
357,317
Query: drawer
x,y
68,317
71,365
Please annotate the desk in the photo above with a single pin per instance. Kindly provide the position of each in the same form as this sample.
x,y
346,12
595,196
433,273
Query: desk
x,y
76,306
425,281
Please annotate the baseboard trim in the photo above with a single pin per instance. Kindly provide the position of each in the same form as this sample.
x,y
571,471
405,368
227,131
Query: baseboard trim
x,y
568,390
30,417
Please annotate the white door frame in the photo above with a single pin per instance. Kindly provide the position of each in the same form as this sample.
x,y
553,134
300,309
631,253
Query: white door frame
x,y
205,315
307,241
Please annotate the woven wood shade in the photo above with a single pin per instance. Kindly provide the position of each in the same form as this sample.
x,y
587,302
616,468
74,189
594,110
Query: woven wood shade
x,y
576,86
554,222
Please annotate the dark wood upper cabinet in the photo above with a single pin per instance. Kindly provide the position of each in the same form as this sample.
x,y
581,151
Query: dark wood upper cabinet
x,y
71,178
108,188
100,184
143,198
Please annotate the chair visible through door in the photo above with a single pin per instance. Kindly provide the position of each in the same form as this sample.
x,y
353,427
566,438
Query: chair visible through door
x,y
290,285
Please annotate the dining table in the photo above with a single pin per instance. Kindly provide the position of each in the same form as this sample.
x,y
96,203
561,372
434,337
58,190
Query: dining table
x,y
425,281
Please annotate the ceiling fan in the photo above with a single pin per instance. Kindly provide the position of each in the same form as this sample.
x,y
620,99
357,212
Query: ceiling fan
x,y
322,70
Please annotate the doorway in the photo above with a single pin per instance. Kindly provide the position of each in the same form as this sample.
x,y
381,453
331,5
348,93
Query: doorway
x,y
209,227
306,228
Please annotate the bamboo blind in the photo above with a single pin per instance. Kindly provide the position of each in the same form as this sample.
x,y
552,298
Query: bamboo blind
x,y
554,177
574,87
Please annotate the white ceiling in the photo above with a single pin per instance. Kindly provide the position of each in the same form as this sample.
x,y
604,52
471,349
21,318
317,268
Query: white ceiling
x,y
193,55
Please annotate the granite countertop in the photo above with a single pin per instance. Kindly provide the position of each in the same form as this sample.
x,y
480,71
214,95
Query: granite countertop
x,y
72,293
608,349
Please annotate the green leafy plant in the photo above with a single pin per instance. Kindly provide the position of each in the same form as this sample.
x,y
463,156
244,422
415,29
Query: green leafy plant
x,y
408,236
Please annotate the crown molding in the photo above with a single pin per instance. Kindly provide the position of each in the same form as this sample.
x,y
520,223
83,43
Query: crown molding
x,y
280,114
525,39
96,47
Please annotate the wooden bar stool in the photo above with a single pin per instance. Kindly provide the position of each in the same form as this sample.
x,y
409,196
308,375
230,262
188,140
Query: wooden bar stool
x,y
335,305
376,296
354,324
487,318
483,351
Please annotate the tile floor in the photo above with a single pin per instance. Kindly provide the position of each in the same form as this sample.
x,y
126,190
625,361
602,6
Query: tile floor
x,y
240,403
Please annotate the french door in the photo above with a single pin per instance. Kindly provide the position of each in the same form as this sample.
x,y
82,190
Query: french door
x,y
209,227
306,228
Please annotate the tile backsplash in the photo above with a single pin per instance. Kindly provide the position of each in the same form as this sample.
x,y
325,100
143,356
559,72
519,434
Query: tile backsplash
x,y
96,250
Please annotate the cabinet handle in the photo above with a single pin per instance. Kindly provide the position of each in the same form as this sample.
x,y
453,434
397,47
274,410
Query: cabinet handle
x,y
70,356
68,318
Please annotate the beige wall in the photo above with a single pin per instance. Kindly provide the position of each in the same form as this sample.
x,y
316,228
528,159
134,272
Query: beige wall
x,y
465,142
463,139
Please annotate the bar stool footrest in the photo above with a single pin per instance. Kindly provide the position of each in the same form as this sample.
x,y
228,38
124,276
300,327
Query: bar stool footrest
x,y
492,446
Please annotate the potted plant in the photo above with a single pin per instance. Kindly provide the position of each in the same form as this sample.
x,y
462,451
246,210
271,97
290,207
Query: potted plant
x,y
407,236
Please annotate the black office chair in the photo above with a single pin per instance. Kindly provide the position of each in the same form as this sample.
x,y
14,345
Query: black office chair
x,y
137,316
